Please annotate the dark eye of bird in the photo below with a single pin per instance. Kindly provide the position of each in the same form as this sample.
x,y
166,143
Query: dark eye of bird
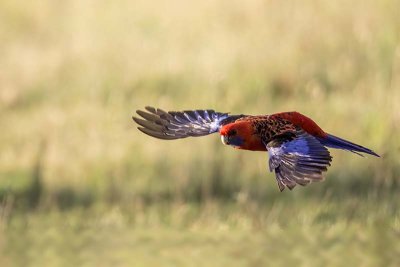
x,y
232,132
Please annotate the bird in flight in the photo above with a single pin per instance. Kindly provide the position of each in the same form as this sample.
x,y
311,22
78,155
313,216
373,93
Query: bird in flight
x,y
296,145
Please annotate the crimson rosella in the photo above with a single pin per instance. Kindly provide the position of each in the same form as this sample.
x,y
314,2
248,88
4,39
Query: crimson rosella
x,y
296,145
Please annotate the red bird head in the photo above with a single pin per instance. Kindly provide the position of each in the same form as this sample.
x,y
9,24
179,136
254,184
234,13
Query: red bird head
x,y
241,135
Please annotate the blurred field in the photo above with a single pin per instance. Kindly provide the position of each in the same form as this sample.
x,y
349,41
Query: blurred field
x,y
80,186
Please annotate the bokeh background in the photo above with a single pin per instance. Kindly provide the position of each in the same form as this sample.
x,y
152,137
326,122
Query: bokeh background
x,y
81,186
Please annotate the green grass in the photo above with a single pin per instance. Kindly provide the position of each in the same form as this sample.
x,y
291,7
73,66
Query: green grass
x,y
80,186
317,232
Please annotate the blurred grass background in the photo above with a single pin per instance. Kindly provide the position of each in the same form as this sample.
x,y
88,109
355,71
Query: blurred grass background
x,y
80,186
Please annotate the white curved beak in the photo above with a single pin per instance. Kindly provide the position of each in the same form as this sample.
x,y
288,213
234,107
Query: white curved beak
x,y
224,140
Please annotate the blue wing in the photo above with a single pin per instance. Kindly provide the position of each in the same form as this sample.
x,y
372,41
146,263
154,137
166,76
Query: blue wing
x,y
174,125
297,159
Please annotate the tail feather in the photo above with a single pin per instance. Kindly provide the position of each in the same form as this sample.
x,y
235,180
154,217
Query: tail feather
x,y
337,142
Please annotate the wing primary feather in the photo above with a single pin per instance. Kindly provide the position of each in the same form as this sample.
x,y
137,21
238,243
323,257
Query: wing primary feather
x,y
157,134
150,117
151,109
148,124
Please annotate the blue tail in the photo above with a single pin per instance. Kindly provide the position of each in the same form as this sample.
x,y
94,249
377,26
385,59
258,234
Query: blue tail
x,y
336,142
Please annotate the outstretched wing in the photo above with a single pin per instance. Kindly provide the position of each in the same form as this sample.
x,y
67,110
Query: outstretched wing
x,y
174,125
297,158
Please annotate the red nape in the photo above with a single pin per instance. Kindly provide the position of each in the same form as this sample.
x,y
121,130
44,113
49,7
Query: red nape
x,y
303,122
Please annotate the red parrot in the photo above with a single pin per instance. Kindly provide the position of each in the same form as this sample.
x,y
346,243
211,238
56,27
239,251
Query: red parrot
x,y
296,145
